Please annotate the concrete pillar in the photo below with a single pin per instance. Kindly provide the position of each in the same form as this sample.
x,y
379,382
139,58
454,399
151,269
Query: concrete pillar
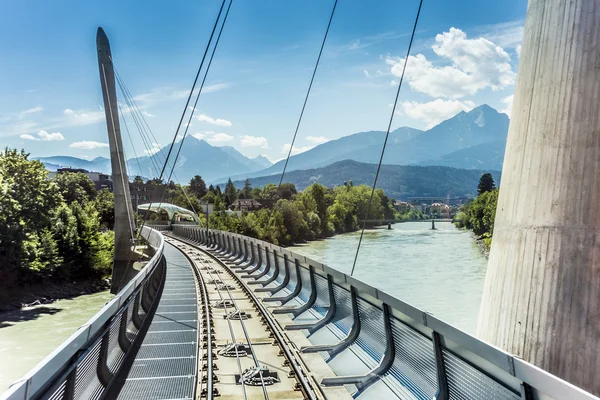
x,y
541,297
124,217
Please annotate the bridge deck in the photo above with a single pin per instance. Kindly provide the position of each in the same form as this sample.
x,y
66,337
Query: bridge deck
x,y
166,364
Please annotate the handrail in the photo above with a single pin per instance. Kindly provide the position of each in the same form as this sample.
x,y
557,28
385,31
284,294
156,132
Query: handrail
x,y
449,345
56,374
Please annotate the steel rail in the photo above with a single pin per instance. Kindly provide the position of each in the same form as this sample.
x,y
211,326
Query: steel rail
x,y
299,372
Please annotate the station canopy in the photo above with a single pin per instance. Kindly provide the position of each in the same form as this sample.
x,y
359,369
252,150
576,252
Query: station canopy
x,y
171,211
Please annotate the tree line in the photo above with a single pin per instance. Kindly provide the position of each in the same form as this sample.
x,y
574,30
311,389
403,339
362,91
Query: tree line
x,y
289,216
55,228
478,215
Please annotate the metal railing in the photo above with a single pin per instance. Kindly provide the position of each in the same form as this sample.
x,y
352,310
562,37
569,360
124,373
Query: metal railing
x,y
409,352
87,364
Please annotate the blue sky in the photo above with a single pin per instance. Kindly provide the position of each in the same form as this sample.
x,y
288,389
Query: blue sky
x,y
465,54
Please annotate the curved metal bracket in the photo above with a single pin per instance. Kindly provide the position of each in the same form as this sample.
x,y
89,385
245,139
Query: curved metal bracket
x,y
257,266
295,292
264,272
315,326
295,311
362,382
272,278
284,283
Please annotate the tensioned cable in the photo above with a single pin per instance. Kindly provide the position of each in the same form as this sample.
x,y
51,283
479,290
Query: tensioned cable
x,y
193,87
187,102
387,134
307,94
138,118
198,97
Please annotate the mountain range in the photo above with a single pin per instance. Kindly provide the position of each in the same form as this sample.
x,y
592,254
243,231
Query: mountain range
x,y
397,181
473,140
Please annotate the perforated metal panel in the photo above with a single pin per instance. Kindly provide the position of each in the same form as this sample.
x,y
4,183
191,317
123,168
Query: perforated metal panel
x,y
169,349
468,383
87,385
372,332
305,291
413,370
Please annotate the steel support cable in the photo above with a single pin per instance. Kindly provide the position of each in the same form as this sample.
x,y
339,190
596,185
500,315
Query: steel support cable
x,y
307,93
193,87
137,117
188,101
387,134
200,90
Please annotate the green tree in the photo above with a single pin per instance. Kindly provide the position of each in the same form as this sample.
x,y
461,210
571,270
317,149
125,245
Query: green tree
x,y
27,201
105,205
138,180
246,192
486,184
197,187
230,193
75,187
286,191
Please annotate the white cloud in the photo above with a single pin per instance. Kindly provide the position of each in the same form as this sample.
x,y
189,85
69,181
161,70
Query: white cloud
x,y
504,34
169,94
317,139
44,136
154,149
509,102
475,64
83,117
355,44
147,114
518,50
254,141
30,111
434,112
88,145
366,73
213,138
296,150
210,120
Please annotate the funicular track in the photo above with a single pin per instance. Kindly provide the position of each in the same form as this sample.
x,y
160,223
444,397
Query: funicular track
x,y
242,352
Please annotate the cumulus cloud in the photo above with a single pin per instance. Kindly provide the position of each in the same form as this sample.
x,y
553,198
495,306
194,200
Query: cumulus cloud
x,y
317,139
434,112
254,141
88,145
213,138
475,64
508,101
43,136
83,117
296,150
210,120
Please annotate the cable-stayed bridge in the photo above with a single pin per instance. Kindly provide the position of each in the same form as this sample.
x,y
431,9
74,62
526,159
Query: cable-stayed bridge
x,y
216,314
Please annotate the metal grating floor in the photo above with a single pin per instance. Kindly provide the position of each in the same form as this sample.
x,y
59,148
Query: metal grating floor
x,y
166,364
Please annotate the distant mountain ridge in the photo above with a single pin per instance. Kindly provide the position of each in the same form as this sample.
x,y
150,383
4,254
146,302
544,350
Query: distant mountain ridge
x,y
398,181
469,140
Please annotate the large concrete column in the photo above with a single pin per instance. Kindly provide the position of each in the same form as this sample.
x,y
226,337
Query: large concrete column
x,y
541,298
124,228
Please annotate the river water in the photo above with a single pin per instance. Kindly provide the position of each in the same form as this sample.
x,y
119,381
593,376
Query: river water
x,y
30,334
440,271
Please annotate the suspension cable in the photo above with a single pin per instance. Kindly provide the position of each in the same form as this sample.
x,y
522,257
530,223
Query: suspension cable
x,y
138,117
287,159
387,134
197,98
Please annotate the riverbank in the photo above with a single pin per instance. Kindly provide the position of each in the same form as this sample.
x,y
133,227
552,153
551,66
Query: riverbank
x,y
47,293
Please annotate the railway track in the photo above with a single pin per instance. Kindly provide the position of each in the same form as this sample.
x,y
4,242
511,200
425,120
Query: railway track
x,y
243,352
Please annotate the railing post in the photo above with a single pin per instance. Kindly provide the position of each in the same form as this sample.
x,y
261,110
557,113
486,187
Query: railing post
x,y
69,393
123,339
135,316
442,380
102,370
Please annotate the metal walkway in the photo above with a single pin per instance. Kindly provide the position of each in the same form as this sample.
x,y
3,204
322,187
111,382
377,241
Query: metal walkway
x,y
166,364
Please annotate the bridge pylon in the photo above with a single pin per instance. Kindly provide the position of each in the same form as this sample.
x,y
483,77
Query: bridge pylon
x,y
124,217
542,291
